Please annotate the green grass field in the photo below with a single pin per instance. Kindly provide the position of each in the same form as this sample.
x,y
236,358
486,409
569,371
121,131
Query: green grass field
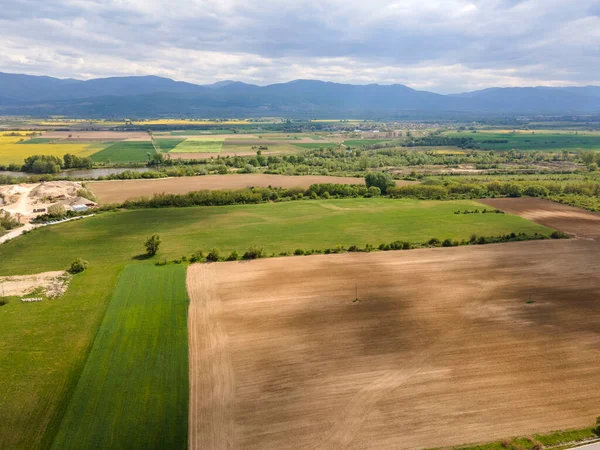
x,y
125,151
199,145
359,142
135,380
45,348
37,141
166,145
533,140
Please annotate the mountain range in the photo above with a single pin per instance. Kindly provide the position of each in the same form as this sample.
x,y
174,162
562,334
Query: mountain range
x,y
152,96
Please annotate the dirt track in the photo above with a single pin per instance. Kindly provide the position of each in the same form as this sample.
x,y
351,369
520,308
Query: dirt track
x,y
444,347
574,221
119,191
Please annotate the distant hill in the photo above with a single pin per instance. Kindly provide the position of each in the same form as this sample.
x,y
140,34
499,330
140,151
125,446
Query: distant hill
x,y
150,96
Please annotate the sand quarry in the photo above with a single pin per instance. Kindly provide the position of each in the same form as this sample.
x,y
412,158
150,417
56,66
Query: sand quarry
x,y
443,346
22,199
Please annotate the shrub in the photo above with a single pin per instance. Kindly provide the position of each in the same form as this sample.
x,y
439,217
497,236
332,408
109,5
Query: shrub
x,y
396,245
448,243
298,252
233,256
253,253
57,210
152,244
354,248
197,256
434,242
374,191
213,255
78,266
406,246
558,235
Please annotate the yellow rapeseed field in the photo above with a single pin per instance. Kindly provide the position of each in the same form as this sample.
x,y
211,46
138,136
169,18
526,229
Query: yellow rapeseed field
x,y
11,151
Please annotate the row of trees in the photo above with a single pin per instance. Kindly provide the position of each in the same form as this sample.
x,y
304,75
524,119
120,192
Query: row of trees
x,y
53,164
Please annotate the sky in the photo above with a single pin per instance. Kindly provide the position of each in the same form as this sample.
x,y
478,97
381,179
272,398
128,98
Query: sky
x,y
444,46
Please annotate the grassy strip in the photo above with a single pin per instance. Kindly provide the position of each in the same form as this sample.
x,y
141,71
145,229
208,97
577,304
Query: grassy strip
x,y
135,381
555,440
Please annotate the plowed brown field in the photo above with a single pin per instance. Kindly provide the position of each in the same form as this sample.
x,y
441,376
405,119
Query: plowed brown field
x,y
575,221
121,190
443,347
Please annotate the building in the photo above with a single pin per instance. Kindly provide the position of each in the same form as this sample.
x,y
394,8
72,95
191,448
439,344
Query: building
x,y
79,208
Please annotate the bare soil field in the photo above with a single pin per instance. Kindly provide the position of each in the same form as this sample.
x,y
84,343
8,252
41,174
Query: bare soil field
x,y
443,347
120,190
97,135
574,221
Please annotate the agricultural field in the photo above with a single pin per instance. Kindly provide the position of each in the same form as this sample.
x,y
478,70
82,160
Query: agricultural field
x,y
533,140
360,142
141,355
120,190
199,145
395,350
13,151
125,151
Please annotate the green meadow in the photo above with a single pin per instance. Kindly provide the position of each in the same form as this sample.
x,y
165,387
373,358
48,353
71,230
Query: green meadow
x,y
199,145
125,151
533,140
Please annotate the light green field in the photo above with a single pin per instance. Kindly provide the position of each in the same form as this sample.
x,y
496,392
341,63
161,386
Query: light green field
x,y
135,381
199,145
44,350
126,151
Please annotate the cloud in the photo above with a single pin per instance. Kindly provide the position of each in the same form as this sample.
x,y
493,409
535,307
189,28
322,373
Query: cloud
x,y
438,45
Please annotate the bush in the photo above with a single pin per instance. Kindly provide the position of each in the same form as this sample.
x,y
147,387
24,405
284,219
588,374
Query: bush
x,y
354,248
152,244
298,252
233,256
558,235
197,256
434,242
213,255
57,210
253,253
374,191
448,243
78,266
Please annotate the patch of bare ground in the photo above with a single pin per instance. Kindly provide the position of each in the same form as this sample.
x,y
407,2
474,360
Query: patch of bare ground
x,y
121,190
52,284
443,347
568,219
97,135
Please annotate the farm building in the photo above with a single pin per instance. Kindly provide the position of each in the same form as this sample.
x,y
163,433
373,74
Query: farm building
x,y
79,208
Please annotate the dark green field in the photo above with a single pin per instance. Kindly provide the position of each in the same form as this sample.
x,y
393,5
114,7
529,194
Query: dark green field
x,y
166,145
360,142
135,380
37,141
533,140
126,151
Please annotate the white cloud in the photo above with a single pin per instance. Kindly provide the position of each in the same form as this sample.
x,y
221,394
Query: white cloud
x,y
443,45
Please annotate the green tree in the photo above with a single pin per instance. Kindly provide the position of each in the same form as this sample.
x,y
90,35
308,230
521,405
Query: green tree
x,y
152,244
78,266
382,180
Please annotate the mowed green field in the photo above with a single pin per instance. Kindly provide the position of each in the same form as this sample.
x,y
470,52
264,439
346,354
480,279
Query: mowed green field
x,y
46,344
199,145
125,151
533,140
133,391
